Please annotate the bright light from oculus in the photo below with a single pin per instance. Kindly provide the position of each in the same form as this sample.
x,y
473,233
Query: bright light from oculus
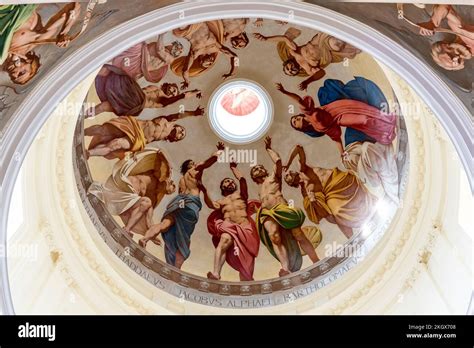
x,y
240,111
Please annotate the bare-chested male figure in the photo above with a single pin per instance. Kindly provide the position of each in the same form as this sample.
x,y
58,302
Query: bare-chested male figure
x,y
133,195
182,213
450,55
125,134
21,62
121,94
149,60
207,42
234,233
279,224
234,31
311,58
331,194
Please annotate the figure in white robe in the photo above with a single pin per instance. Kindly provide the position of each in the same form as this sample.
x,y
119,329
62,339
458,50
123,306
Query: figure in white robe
x,y
135,188
375,165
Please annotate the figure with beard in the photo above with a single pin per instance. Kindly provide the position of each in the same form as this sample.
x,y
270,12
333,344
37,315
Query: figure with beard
x,y
278,223
121,94
123,134
22,31
207,42
234,32
182,213
148,60
337,196
234,233
310,59
136,187
450,55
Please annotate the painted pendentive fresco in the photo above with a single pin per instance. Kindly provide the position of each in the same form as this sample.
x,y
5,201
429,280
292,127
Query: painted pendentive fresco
x,y
34,38
333,157
28,30
441,35
451,51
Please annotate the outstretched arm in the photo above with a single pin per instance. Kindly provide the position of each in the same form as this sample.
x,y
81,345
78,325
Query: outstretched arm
x,y
232,56
60,24
319,74
211,160
455,22
243,183
188,113
227,51
441,12
207,199
298,151
165,101
277,38
293,96
188,63
238,175
278,168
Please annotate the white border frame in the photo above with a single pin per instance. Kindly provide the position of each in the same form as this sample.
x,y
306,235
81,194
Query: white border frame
x,y
42,100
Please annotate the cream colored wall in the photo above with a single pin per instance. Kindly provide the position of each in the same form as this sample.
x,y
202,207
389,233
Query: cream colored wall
x,y
422,265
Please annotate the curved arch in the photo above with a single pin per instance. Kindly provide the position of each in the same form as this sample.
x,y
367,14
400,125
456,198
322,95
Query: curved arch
x,y
37,107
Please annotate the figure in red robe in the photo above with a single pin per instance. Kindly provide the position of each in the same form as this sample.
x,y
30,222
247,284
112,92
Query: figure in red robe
x,y
329,119
234,233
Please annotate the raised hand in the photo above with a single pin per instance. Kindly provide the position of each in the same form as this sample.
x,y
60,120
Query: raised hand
x,y
184,85
280,87
260,37
268,142
233,164
303,86
197,93
63,41
220,146
427,28
226,76
199,111
258,22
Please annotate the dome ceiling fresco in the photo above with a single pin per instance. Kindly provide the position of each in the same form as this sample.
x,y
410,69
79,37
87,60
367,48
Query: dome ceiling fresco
x,y
326,172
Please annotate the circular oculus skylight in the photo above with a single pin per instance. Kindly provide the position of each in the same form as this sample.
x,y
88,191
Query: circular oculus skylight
x,y
240,111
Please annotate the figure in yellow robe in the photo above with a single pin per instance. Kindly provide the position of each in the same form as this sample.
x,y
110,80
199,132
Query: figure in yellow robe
x,y
337,196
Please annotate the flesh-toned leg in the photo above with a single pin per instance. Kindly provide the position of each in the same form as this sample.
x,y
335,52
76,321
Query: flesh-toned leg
x,y
139,209
111,146
274,232
305,244
225,243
